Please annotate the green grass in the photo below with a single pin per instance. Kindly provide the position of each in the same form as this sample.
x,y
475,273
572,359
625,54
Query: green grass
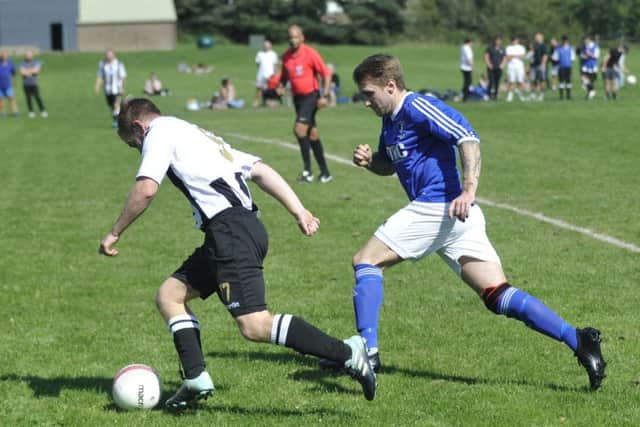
x,y
71,318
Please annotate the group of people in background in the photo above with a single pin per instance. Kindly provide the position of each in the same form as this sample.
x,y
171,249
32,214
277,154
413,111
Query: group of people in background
x,y
550,65
29,70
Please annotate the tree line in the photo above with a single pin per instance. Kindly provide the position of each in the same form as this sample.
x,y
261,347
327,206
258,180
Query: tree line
x,y
384,21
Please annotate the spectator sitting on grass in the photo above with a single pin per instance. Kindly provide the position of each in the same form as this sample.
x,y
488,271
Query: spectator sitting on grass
x,y
153,86
226,97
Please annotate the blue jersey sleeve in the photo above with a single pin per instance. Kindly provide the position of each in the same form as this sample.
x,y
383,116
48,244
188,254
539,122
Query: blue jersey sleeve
x,y
382,151
442,121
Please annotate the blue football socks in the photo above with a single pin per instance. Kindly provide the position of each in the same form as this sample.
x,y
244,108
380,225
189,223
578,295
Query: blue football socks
x,y
367,300
519,305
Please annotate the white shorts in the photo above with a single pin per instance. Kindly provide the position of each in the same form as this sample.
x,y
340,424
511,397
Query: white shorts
x,y
515,74
261,81
420,229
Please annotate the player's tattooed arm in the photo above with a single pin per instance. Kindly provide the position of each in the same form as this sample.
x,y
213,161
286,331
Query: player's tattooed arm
x,y
471,164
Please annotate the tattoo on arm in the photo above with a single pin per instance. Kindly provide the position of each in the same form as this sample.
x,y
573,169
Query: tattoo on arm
x,y
471,165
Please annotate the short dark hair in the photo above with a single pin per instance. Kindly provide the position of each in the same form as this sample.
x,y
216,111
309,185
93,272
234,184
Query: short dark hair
x,y
134,109
380,68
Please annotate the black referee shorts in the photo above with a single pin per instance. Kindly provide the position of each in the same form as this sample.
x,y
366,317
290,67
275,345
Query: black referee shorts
x,y
306,108
230,262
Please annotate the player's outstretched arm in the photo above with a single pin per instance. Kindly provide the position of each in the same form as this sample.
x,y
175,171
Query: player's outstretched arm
x,y
140,197
471,163
273,184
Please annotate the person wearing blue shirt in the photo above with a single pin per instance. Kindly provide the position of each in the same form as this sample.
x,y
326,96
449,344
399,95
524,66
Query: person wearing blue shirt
x,y
590,53
564,55
7,74
419,141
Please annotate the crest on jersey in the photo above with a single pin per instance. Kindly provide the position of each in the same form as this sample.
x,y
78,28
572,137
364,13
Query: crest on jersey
x,y
220,142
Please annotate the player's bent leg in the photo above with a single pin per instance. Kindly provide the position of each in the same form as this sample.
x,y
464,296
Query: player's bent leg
x,y
504,299
256,326
368,294
295,333
171,301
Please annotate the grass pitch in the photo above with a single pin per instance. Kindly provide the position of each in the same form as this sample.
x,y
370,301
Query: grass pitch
x,y
72,318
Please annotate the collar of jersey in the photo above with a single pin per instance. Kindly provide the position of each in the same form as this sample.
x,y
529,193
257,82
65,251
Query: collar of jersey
x,y
400,105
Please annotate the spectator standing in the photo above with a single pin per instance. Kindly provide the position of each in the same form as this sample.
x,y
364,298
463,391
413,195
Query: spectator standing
x,y
565,54
494,59
335,86
111,76
7,74
553,74
590,54
266,60
302,66
539,66
610,68
29,70
466,67
622,70
515,54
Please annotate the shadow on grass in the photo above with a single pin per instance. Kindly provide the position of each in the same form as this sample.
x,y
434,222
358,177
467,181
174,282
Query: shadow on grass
x,y
320,377
262,412
435,376
52,386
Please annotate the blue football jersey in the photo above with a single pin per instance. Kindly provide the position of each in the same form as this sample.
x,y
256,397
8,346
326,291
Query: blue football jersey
x,y
420,140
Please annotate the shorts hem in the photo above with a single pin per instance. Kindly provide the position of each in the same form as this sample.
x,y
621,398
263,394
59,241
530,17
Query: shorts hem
x,y
380,235
236,312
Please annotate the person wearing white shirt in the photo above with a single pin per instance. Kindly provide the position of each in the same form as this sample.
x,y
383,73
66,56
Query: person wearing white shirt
x,y
266,60
213,177
514,55
111,75
466,67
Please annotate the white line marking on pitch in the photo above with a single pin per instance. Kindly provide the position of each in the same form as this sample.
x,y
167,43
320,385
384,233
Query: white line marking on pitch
x,y
524,212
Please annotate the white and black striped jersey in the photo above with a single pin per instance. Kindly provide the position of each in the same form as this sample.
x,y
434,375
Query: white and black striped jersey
x,y
210,173
113,74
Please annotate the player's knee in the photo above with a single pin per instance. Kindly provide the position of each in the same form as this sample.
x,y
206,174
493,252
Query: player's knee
x,y
162,298
254,327
300,130
358,259
491,296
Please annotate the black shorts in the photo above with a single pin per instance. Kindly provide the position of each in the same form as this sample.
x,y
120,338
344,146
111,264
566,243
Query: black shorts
x,y
564,74
112,99
230,262
306,108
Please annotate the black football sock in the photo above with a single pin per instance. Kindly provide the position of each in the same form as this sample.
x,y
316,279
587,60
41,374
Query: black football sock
x,y
295,333
305,147
186,338
318,152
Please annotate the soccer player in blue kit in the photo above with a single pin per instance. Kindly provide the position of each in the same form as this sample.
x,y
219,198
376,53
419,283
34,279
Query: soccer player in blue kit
x,y
419,138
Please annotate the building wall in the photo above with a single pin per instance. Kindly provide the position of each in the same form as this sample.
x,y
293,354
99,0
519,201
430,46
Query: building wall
x,y
27,22
127,37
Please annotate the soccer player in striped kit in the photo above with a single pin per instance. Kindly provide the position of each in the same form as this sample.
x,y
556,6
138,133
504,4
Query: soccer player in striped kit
x,y
212,176
418,142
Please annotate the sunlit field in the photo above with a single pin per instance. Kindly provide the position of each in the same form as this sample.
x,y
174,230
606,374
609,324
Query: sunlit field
x,y
72,318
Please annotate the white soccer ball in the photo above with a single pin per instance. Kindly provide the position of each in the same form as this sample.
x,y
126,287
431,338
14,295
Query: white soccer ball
x,y
631,79
136,386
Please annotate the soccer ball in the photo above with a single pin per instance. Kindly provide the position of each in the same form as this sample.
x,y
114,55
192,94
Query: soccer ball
x,y
631,79
136,386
